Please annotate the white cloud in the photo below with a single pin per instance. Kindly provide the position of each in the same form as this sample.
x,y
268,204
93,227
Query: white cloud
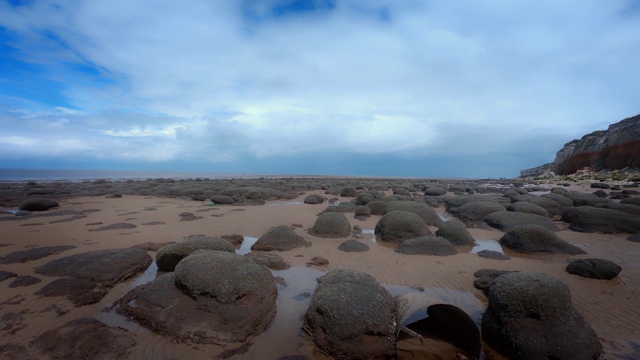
x,y
199,73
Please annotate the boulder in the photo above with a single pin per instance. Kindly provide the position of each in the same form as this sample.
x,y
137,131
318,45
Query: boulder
x,y
364,198
353,246
225,309
506,220
531,239
590,219
634,238
4,275
583,199
377,207
492,254
397,226
435,191
349,191
530,208
86,338
79,291
352,317
279,238
331,225
24,280
104,267
456,233
626,208
222,200
531,316
362,212
426,245
476,210
426,212
169,256
272,261
314,199
486,277
562,200
594,268
552,207
38,204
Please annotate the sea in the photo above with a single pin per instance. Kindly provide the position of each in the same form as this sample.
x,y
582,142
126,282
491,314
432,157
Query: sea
x,y
74,175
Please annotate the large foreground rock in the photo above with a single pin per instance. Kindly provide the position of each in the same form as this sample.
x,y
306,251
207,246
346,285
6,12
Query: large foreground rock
x,y
591,219
427,245
352,317
531,239
531,316
103,267
279,238
212,297
594,268
86,338
331,225
398,226
169,256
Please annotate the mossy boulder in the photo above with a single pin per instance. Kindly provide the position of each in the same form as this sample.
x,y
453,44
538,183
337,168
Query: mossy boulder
x,y
591,219
426,212
476,210
531,316
427,245
531,239
456,233
279,238
507,220
352,317
314,199
331,225
398,226
222,200
594,268
527,207
377,207
169,256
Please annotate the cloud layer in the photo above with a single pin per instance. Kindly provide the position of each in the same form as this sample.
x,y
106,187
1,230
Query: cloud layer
x,y
223,84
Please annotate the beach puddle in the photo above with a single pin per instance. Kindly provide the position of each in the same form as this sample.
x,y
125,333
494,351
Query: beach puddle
x,y
487,244
148,275
247,243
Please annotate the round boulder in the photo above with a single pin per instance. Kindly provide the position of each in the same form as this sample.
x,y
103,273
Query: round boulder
x,y
456,233
531,239
398,226
331,225
279,238
222,200
169,256
426,245
591,219
352,317
594,268
377,207
426,212
353,246
476,210
531,316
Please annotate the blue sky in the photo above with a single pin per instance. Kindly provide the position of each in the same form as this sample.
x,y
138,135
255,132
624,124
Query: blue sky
x,y
384,88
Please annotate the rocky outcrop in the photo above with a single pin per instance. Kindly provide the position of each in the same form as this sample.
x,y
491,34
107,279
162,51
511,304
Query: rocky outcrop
x,y
615,148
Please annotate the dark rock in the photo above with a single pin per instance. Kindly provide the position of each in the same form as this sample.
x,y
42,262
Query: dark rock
x,y
377,207
34,254
79,291
362,211
222,200
591,219
531,316
494,255
331,225
397,226
225,309
626,208
527,207
564,201
435,191
318,261
105,267
314,199
594,268
86,338
631,201
426,212
600,193
353,246
364,198
634,238
279,238
531,239
116,226
4,275
187,216
600,186
582,199
426,245
552,207
169,256
348,191
24,280
235,239
352,317
272,261
456,233
476,210
38,204
506,220
486,277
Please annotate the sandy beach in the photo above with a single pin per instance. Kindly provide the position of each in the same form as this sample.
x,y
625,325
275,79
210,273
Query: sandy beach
x,y
610,307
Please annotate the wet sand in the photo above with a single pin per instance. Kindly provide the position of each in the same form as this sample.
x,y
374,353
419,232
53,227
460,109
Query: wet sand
x,y
611,307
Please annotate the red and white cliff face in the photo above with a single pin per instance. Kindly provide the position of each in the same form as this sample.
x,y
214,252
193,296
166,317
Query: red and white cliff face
x,y
615,148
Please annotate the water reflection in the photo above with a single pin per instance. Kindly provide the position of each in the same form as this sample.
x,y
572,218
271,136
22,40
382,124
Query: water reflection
x,y
487,244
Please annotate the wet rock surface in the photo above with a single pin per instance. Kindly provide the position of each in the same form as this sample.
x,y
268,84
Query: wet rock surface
x,y
272,261
33,254
224,309
23,280
351,317
4,275
531,316
116,226
494,255
86,338
594,268
427,245
79,291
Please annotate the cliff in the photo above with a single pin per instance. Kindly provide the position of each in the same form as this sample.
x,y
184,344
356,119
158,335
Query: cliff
x,y
615,148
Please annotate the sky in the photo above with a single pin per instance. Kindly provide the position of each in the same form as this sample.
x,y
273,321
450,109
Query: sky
x,y
411,88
